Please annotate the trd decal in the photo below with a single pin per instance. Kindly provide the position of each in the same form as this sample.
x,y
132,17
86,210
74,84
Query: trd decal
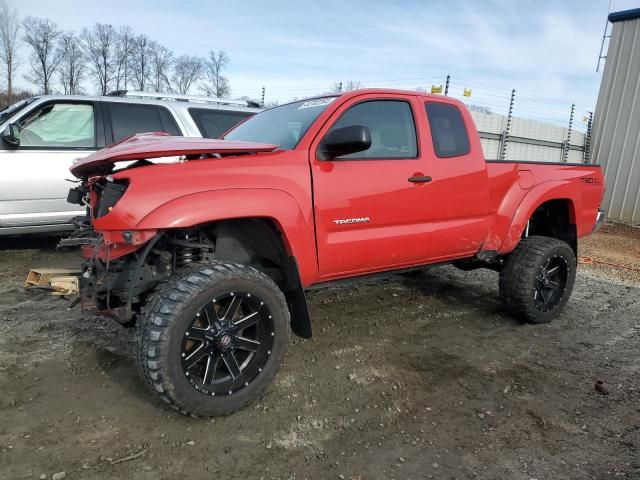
x,y
590,181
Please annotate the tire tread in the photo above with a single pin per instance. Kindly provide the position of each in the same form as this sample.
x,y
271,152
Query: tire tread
x,y
518,276
158,314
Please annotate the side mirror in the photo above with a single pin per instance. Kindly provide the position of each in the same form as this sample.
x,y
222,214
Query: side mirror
x,y
345,140
11,135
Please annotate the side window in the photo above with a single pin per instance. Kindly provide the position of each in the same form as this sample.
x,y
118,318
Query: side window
x,y
59,125
213,123
448,131
393,131
130,118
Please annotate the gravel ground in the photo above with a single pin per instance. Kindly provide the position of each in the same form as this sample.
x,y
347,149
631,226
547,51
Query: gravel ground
x,y
406,378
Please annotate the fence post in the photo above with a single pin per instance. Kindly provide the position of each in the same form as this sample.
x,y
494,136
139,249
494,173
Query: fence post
x,y
507,131
586,154
565,147
446,85
262,100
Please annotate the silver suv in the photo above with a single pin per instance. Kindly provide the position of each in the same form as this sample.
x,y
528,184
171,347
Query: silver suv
x,y
41,136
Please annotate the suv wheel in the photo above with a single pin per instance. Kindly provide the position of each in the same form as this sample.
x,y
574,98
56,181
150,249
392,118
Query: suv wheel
x,y
211,339
537,278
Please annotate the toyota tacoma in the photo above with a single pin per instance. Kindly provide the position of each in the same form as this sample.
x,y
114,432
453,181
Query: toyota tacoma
x,y
206,247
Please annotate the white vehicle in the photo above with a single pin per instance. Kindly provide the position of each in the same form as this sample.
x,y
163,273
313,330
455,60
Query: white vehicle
x,y
41,136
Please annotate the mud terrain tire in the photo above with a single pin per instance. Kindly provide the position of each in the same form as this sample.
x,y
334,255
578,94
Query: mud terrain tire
x,y
537,279
182,322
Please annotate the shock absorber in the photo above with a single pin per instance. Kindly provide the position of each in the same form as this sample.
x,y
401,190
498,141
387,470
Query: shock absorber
x,y
185,254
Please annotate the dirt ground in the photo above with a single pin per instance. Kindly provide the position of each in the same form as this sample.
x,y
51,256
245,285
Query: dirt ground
x,y
406,378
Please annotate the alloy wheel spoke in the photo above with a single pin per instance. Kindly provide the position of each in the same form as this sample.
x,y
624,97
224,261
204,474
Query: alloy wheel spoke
x,y
212,316
232,364
195,333
247,344
194,357
553,270
232,309
210,371
543,296
247,321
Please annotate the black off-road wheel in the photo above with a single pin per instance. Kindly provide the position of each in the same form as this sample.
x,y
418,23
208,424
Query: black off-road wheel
x,y
537,279
211,339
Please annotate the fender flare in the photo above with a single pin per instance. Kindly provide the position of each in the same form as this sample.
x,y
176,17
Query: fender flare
x,y
510,228
276,205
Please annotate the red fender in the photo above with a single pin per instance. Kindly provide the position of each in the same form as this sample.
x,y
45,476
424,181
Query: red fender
x,y
276,205
507,229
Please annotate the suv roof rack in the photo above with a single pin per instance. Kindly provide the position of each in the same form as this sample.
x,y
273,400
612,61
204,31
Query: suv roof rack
x,y
182,98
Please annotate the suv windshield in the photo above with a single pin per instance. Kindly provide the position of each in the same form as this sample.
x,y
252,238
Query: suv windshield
x,y
7,112
283,126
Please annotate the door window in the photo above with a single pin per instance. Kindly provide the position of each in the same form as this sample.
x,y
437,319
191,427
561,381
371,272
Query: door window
x,y
59,125
213,123
448,132
393,131
129,118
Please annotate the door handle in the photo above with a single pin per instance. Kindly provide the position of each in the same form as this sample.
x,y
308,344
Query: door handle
x,y
420,179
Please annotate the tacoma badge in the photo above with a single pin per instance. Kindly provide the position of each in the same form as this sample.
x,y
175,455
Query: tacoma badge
x,y
345,221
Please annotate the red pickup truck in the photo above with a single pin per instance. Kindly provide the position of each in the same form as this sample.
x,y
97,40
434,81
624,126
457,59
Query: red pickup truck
x,y
209,255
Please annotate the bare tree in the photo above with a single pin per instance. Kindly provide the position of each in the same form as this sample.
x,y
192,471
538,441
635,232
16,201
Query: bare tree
x,y
216,84
41,34
186,70
141,61
351,85
161,59
124,47
73,64
9,28
347,86
17,96
100,44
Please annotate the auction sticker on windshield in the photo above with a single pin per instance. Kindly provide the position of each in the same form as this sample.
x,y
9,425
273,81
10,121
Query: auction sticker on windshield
x,y
318,102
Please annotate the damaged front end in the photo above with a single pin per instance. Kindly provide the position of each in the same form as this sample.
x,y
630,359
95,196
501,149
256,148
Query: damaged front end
x,y
122,268
122,263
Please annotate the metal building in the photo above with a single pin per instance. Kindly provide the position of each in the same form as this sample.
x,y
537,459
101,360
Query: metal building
x,y
616,124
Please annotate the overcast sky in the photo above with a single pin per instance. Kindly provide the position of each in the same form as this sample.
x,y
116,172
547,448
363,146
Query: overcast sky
x,y
546,50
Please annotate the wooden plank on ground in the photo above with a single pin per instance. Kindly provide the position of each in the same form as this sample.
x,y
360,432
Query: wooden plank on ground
x,y
39,277
64,285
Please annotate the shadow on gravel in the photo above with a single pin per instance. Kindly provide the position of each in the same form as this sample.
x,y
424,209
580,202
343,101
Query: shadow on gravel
x,y
457,288
30,242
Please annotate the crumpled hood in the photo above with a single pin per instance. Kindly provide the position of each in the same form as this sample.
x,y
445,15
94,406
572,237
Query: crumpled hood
x,y
155,145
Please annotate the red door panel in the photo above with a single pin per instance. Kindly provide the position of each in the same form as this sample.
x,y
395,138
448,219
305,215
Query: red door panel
x,y
370,217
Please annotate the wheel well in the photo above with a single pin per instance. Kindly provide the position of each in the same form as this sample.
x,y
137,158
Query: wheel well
x,y
258,242
250,241
555,219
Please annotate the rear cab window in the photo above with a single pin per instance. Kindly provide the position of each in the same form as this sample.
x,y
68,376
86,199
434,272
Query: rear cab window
x,y
448,130
214,123
130,118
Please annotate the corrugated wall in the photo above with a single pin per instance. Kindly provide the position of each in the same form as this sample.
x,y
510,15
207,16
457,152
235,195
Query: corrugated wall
x,y
616,123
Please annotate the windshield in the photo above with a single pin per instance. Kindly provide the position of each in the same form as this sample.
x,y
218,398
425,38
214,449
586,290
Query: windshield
x,y
283,126
7,112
